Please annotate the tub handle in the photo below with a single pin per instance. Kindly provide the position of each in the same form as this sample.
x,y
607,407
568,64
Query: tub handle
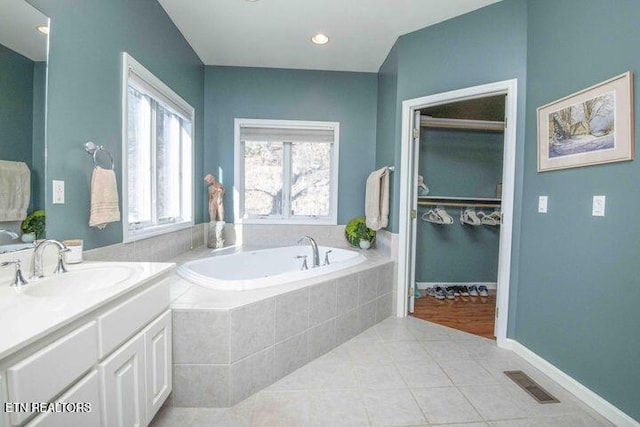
x,y
304,263
326,257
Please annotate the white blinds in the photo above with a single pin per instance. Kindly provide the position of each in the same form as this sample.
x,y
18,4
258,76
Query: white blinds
x,y
143,86
273,134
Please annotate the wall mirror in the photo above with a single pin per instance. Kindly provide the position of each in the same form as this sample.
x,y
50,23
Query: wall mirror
x,y
23,77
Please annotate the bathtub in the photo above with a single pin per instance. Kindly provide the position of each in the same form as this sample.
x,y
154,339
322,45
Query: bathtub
x,y
264,268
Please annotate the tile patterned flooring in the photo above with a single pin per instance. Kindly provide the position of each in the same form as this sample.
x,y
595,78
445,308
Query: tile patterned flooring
x,y
401,372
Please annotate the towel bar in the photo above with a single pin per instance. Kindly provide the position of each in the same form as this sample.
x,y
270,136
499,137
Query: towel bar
x,y
93,149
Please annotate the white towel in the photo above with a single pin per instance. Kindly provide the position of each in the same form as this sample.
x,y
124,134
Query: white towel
x,y
104,198
15,190
376,199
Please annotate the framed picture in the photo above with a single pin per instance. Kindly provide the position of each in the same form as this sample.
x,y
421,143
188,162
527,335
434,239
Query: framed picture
x,y
590,127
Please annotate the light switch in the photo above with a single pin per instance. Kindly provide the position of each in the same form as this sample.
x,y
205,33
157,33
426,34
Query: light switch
x,y
542,204
598,205
58,192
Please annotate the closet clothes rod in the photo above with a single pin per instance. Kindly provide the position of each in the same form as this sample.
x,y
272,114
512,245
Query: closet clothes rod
x,y
459,204
495,126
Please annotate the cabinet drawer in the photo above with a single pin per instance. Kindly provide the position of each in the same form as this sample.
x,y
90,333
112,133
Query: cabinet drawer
x,y
86,391
121,322
43,375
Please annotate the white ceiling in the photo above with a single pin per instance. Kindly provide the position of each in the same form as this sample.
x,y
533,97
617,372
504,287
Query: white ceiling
x,y
18,22
276,33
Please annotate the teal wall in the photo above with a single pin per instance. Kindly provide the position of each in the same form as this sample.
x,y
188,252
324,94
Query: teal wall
x,y
38,145
84,96
16,106
22,102
484,46
461,163
579,290
268,93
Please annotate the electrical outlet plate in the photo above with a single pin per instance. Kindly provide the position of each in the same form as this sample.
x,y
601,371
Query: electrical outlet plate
x,y
542,204
58,192
598,205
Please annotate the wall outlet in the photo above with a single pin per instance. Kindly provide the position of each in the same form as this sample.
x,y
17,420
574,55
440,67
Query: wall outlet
x,y
58,192
598,205
542,204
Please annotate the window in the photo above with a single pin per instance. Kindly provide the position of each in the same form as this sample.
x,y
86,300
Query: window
x,y
157,155
286,171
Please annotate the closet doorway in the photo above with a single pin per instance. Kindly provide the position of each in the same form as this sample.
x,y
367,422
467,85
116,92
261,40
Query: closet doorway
x,y
456,228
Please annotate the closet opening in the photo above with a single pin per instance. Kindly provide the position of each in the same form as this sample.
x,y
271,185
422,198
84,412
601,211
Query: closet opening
x,y
456,205
459,192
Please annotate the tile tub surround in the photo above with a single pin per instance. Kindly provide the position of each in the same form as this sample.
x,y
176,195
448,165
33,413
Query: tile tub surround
x,y
396,373
270,235
229,345
154,249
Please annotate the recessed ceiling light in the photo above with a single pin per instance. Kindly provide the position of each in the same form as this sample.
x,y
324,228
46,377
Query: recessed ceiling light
x,y
320,39
44,29
252,1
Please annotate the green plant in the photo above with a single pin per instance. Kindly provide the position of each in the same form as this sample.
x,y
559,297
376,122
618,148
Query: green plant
x,y
34,223
357,229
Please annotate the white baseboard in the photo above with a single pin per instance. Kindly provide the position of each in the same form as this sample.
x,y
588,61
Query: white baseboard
x,y
597,403
425,285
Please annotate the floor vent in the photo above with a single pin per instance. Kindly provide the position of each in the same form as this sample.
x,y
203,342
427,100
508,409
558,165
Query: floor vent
x,y
531,387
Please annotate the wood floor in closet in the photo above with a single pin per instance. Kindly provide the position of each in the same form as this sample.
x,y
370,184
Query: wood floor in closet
x,y
474,315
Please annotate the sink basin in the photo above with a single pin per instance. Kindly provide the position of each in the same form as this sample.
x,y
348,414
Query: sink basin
x,y
79,281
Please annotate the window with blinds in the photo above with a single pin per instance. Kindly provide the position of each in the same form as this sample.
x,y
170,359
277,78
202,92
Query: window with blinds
x,y
157,155
286,171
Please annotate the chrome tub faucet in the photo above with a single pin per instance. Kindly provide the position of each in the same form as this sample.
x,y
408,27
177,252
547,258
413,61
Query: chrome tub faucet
x,y
314,247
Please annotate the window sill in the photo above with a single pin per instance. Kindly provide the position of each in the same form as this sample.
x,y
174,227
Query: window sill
x,y
134,235
288,221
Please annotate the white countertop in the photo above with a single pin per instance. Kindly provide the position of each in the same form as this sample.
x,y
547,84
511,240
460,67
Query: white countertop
x,y
36,311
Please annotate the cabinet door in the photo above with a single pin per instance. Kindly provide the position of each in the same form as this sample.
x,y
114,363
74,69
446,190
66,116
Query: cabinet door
x,y
123,386
157,338
86,410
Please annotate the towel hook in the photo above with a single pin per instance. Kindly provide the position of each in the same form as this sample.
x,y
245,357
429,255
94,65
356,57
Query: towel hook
x,y
93,149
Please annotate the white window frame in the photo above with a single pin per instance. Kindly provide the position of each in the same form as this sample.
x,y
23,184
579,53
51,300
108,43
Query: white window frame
x,y
130,235
238,199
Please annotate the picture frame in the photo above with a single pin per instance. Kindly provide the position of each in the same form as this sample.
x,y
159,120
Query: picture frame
x,y
590,127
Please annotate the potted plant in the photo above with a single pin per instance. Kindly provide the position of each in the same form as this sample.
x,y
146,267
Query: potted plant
x,y
33,226
364,234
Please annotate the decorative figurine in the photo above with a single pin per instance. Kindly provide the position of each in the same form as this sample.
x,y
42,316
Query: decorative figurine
x,y
216,212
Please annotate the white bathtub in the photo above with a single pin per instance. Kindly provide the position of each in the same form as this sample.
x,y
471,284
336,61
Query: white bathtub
x,y
264,268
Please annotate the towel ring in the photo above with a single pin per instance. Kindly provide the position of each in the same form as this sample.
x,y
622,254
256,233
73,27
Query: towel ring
x,y
93,149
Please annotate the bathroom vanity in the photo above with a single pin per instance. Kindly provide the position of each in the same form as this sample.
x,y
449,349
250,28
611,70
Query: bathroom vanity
x,y
95,341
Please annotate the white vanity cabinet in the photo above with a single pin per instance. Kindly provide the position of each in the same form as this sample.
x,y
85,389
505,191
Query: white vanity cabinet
x,y
115,360
136,378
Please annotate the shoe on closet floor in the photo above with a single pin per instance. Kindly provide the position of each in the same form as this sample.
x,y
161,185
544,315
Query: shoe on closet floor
x,y
473,291
483,291
455,290
449,292
430,291
464,290
439,292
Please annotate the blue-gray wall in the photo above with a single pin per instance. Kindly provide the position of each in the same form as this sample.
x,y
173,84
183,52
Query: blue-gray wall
x,y
268,93
458,163
484,46
579,289
38,145
16,106
84,95
22,101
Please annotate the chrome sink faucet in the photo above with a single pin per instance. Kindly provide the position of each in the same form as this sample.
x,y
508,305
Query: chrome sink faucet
x,y
36,262
314,247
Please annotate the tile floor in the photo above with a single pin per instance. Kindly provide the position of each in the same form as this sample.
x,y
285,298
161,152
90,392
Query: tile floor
x,y
401,372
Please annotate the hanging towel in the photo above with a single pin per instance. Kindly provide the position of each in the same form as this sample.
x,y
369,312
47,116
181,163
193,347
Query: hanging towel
x,y
376,199
15,190
104,198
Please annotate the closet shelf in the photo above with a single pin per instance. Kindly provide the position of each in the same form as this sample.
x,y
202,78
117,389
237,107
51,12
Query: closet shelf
x,y
494,126
479,202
